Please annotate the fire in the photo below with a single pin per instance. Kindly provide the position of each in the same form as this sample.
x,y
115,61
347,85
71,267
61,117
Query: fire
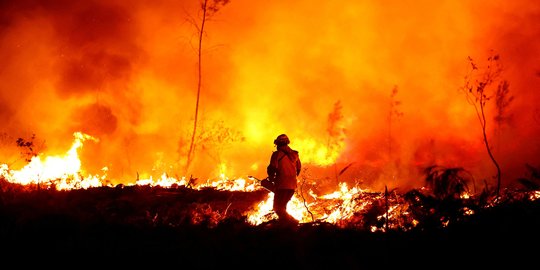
x,y
535,196
163,181
62,172
263,211
370,93
341,207
125,73
224,183
333,207
65,172
318,153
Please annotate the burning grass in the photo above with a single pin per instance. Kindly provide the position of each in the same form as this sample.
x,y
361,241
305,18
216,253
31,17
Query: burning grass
x,y
195,225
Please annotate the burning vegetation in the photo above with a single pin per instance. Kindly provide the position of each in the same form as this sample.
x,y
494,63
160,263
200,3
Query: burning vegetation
x,y
449,196
49,206
130,121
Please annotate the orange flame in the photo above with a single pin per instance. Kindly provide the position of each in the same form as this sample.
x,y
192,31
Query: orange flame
x,y
124,73
62,172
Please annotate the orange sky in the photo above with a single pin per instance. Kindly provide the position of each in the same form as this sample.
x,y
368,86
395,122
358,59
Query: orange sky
x,y
125,72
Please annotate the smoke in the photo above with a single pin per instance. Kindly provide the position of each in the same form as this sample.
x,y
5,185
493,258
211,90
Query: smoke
x,y
322,72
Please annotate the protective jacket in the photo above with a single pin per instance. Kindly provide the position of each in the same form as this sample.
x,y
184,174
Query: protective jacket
x,y
284,167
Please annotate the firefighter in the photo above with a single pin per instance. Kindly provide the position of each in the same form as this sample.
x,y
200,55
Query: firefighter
x,y
282,170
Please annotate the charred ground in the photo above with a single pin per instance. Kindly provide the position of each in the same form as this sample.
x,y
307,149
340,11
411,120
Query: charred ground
x,y
184,227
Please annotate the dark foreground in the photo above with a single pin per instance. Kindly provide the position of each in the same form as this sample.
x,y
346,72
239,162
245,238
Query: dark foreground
x,y
140,226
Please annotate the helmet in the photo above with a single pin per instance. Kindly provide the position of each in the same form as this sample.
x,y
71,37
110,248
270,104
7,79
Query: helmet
x,y
282,140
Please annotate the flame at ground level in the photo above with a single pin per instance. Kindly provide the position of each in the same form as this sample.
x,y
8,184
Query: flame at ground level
x,y
385,210
369,83
64,172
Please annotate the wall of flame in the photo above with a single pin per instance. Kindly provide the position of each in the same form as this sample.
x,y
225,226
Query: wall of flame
x,y
372,85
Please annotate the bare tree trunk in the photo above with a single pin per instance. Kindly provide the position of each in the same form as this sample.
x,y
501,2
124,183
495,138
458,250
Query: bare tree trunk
x,y
478,95
201,33
486,143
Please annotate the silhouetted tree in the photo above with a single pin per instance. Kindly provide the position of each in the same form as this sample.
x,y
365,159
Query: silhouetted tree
x,y
477,91
215,137
29,148
208,8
